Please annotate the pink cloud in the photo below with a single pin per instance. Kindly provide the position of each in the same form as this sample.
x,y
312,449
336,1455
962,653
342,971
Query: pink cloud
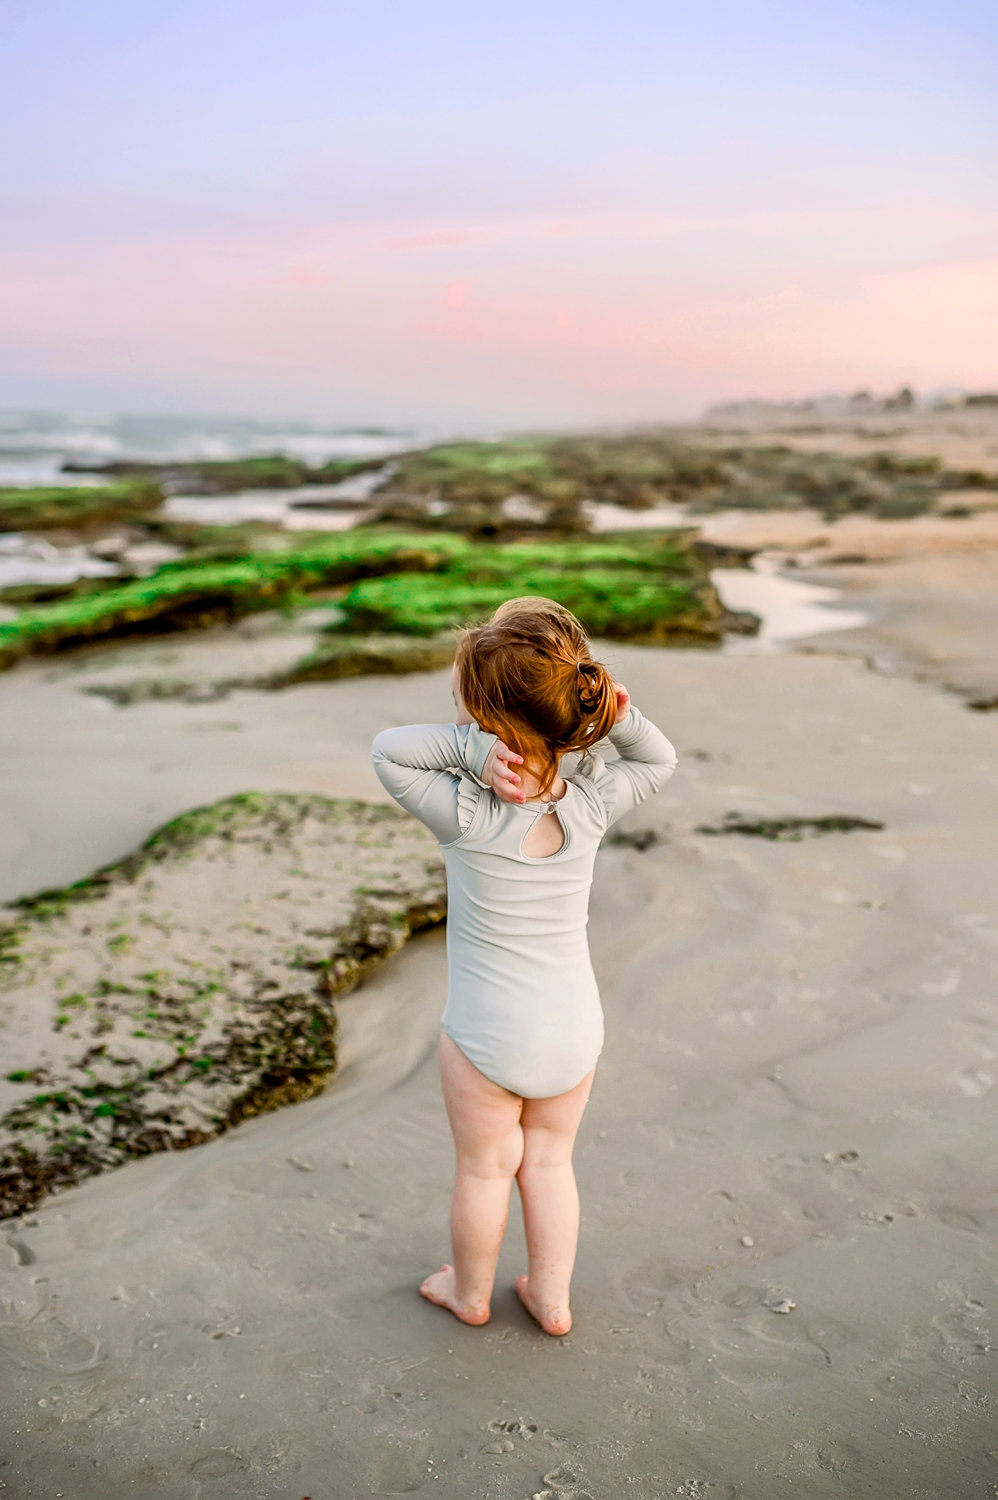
x,y
456,295
629,319
433,238
306,275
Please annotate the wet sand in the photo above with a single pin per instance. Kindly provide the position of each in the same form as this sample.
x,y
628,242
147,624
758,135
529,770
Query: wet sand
x,y
962,437
787,1281
930,617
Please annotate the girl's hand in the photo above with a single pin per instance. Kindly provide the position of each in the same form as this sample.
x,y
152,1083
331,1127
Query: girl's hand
x,y
623,702
498,773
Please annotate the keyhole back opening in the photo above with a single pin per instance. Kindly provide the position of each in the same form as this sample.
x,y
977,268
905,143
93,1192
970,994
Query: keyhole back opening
x,y
544,837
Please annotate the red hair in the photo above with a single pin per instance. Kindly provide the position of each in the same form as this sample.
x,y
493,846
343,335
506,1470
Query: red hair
x,y
528,676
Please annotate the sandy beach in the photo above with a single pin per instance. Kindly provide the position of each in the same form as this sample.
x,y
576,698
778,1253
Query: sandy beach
x,y
328,334
787,1280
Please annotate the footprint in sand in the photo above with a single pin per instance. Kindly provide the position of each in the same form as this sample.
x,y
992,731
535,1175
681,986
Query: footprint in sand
x,y
63,1349
964,1328
974,1082
403,1473
218,1464
20,1253
563,1483
504,1430
513,1427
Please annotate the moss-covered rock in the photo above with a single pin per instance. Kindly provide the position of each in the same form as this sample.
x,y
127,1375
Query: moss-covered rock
x,y
182,595
226,476
331,661
193,983
50,507
631,587
791,830
366,656
480,487
639,589
468,486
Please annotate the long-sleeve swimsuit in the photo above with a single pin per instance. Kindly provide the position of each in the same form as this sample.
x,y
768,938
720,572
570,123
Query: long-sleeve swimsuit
x,y
522,1000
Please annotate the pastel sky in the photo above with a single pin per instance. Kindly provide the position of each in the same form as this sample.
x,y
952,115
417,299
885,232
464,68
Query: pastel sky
x,y
542,212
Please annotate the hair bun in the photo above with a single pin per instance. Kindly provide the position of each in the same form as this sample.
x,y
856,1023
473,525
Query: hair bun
x,y
590,685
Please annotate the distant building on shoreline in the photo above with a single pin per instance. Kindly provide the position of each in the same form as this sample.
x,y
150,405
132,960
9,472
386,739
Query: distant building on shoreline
x,y
835,404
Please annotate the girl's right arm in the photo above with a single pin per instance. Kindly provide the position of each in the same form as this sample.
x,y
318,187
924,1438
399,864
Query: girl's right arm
x,y
417,763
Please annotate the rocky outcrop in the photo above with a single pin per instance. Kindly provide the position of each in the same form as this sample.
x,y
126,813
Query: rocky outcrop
x,y
202,476
170,995
193,593
331,661
46,508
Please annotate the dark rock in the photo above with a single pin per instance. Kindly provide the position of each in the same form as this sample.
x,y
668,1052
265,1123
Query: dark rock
x,y
790,830
640,839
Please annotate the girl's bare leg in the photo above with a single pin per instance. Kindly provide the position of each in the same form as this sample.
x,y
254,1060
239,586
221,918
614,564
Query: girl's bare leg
x,y
550,1204
488,1141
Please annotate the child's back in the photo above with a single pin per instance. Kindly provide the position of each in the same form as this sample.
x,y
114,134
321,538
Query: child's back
x,y
522,1002
523,1024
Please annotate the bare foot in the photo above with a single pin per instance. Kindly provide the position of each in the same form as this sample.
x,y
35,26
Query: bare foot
x,y
554,1320
441,1289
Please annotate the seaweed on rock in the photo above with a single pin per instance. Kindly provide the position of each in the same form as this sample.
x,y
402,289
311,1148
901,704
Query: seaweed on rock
x,y
331,661
182,594
635,589
542,482
50,507
791,830
642,588
223,476
193,983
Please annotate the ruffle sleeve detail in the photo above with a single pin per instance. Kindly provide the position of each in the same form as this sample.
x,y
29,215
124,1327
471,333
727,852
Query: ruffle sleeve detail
x,y
591,775
469,794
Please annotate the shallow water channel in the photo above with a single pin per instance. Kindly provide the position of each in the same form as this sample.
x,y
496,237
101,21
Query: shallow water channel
x,y
790,609
313,507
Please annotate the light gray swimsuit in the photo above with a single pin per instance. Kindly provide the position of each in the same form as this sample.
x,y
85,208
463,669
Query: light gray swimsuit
x,y
522,1001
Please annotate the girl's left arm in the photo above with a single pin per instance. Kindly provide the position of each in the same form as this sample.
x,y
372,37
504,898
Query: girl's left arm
x,y
416,765
647,760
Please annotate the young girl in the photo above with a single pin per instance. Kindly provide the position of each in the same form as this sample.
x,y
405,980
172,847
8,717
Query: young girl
x,y
523,1025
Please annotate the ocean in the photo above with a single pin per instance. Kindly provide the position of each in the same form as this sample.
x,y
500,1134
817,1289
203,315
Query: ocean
x,y
35,444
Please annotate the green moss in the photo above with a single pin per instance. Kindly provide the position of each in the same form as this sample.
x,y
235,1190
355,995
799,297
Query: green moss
x,y
633,470
269,471
367,655
225,476
637,587
609,602
46,507
462,486
21,594
181,595
458,470
900,463
643,589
